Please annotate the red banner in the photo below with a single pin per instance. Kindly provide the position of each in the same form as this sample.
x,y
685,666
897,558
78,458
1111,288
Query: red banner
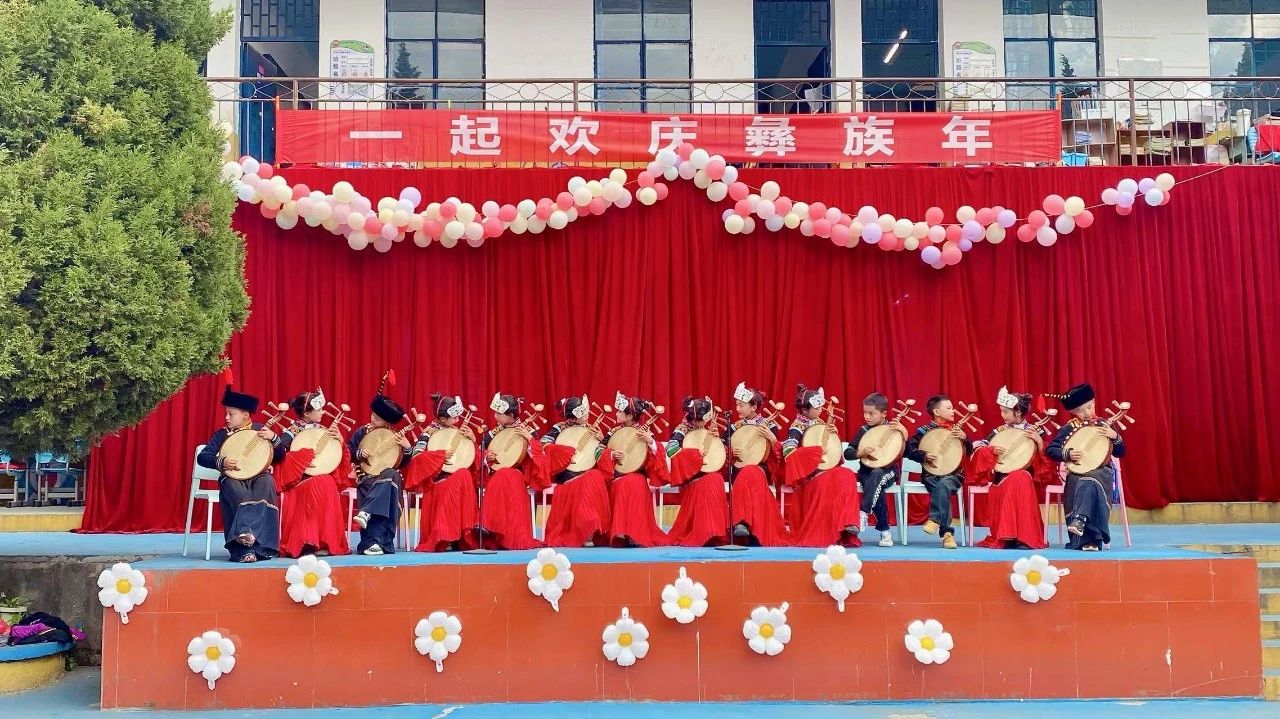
x,y
453,137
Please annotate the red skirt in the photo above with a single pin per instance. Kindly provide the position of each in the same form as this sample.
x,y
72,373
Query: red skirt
x,y
755,506
831,503
1014,513
448,513
579,511
631,502
506,518
703,516
314,515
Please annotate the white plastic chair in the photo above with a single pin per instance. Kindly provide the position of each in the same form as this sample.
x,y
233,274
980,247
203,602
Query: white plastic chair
x,y
210,496
541,535
350,494
906,486
48,467
1059,490
410,530
972,492
18,492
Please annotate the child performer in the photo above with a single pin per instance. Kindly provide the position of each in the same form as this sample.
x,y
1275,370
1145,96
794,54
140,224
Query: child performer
x,y
314,520
941,488
448,519
379,495
875,480
1012,502
753,509
580,507
250,510
703,517
505,510
1087,496
828,500
631,502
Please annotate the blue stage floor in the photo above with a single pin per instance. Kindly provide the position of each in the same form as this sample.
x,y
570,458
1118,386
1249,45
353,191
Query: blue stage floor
x,y
76,697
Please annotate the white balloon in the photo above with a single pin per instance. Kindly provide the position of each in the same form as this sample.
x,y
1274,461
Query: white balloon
x,y
246,193
1165,181
432,212
700,180
730,175
250,166
1128,185
466,212
1046,236
232,171
668,158
903,228
618,175
1154,196
670,174
357,240
581,196
647,195
575,182
770,190
454,229
734,224
474,231
698,158
286,221
595,188
519,225
526,208
791,221
558,220
773,224
572,214
1064,224
748,225
800,209
613,191
716,191
311,221
1074,205
537,225
685,170
965,213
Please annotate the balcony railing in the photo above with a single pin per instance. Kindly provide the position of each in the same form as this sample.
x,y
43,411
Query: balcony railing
x,y
1105,120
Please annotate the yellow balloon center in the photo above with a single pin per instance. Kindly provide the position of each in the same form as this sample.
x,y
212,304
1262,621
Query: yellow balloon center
x,y
1033,577
624,639
766,630
926,643
439,634
310,580
837,571
684,602
123,586
212,654
549,572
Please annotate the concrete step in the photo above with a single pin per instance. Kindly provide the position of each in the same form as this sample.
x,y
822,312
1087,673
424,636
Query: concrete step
x,y
1269,574
1271,684
1271,626
1271,653
1270,600
1205,513
40,519
1261,552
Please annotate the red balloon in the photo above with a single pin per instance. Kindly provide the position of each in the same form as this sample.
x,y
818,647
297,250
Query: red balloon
x,y
564,200
1167,196
492,226
268,212
739,190
300,191
433,228
1037,219
954,232
742,207
1026,233
817,210
684,150
840,235
645,179
1124,210
784,204
985,216
715,168
1084,219
934,215
1054,205
597,206
544,211
265,171
507,213
822,227
662,190
448,211
372,226
951,253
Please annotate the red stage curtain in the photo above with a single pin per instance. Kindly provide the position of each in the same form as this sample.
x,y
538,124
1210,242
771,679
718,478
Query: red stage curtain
x,y
1172,309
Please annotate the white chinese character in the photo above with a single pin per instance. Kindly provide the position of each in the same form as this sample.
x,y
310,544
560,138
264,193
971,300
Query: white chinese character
x,y
865,138
769,134
477,136
967,135
582,131
673,130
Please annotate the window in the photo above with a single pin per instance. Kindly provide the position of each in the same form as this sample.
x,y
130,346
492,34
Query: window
x,y
900,41
1244,41
1050,38
436,39
643,39
793,40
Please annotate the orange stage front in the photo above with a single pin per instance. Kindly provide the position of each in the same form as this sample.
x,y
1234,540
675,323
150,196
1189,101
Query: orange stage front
x,y
1117,628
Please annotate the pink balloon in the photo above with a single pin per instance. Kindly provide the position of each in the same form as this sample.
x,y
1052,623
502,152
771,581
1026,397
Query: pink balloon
x,y
362,205
817,210
841,235
300,191
597,206
986,216
662,190
476,242
245,158
388,232
492,226
806,227
951,253
373,226
1167,196
715,168
489,208
954,232
845,220
340,212
1124,210
265,171
433,228
1037,219
1054,205
1026,233
783,205
1110,195
507,213
564,200
448,211
684,150
742,207
268,212
645,179
822,227
765,209
544,211
739,190
1084,219
937,234
304,206
934,215
654,169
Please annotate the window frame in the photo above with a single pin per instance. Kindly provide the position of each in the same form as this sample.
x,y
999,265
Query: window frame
x,y
1049,41
435,40
644,88
1221,84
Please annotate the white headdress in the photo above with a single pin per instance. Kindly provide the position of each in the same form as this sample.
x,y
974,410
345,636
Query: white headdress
x,y
499,405
742,393
1007,399
620,402
317,402
818,399
580,412
456,410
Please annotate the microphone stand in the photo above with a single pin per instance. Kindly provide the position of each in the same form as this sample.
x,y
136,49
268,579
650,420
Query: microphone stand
x,y
728,442
480,548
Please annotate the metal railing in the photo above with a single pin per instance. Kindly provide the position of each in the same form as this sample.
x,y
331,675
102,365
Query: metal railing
x,y
1105,120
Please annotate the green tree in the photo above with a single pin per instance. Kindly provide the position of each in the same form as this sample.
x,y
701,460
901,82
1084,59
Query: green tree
x,y
404,68
120,276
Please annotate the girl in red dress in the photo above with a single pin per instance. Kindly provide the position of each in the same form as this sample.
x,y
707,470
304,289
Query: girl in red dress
x,y
703,519
505,510
753,509
313,519
580,505
449,498
1013,505
631,501
829,502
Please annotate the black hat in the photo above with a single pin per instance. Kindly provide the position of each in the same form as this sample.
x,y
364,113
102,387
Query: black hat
x,y
236,400
383,406
1076,396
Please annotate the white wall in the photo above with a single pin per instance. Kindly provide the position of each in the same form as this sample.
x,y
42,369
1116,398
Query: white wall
x,y
846,49
224,61
723,48
365,20
539,39
1172,31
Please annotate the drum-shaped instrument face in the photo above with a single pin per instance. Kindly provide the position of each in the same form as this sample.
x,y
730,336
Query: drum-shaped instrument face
x,y
1093,445
711,446
328,450
828,438
458,443
584,441
752,443
252,453
633,446
886,443
509,444
947,451
381,451
1019,449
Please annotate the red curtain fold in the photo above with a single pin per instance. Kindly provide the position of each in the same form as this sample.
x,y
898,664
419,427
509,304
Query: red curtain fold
x,y
1170,308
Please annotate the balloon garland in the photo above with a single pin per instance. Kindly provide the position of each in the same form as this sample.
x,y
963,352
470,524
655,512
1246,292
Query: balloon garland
x,y
939,242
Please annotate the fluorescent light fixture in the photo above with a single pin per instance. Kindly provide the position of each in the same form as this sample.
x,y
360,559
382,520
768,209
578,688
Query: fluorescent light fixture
x,y
888,57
